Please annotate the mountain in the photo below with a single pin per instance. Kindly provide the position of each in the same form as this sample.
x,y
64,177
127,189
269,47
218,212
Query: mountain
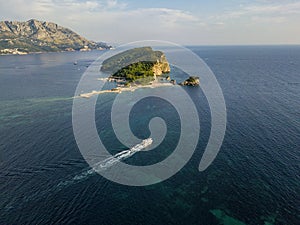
x,y
38,36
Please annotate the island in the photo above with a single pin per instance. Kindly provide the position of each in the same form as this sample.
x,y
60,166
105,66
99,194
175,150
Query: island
x,y
35,36
138,68
134,68
136,55
191,81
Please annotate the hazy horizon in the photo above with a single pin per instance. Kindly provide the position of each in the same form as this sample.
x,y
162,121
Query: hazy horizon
x,y
234,22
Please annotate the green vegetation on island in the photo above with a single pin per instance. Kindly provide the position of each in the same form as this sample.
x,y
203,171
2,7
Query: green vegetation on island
x,y
139,65
131,56
136,71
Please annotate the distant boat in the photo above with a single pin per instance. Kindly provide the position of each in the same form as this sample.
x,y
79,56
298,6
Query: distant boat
x,y
75,63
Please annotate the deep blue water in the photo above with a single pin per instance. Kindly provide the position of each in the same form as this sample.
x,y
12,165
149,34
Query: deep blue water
x,y
255,178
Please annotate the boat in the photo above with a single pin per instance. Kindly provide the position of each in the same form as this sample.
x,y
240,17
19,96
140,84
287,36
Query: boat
x,y
144,144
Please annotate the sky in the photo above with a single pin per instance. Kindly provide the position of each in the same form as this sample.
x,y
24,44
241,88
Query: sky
x,y
189,22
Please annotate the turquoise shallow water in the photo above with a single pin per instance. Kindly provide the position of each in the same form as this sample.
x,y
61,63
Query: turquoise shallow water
x,y
254,179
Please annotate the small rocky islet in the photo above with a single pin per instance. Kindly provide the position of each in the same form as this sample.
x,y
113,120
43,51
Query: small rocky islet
x,y
191,81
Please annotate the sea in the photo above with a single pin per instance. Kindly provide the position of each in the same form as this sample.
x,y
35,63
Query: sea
x,y
255,178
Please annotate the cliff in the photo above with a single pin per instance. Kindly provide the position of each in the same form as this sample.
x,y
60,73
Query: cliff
x,y
161,66
38,36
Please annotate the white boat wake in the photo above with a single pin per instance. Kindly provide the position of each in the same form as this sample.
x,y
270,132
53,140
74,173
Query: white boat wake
x,y
100,166
106,163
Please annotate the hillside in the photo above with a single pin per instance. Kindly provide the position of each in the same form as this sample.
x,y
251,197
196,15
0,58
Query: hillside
x,y
132,56
137,65
37,36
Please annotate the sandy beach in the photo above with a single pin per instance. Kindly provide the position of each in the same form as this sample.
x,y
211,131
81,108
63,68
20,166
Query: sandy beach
x,y
118,90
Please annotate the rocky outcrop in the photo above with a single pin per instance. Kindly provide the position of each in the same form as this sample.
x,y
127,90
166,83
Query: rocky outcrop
x,y
191,81
38,36
161,66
